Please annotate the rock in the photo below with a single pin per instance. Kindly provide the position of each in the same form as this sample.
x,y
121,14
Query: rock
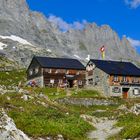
x,y
8,98
67,113
9,130
23,91
123,108
86,101
99,111
21,109
48,138
43,96
135,109
42,103
25,97
2,91
60,137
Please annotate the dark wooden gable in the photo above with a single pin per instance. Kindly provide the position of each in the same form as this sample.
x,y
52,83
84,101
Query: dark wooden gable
x,y
34,65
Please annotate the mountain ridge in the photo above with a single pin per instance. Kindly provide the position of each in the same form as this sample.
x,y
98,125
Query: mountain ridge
x,y
44,35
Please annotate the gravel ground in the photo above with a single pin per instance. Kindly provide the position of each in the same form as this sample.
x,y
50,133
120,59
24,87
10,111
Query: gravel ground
x,y
104,127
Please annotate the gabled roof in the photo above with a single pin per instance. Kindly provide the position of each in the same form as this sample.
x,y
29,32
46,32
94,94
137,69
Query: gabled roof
x,y
60,63
117,67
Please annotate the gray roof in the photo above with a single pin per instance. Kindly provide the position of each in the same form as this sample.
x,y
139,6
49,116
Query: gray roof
x,y
117,67
62,63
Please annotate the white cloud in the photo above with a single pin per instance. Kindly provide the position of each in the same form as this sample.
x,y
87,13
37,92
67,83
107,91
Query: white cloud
x,y
134,43
64,26
133,3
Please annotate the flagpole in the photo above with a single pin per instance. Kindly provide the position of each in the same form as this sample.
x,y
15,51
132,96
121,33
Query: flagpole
x,y
102,50
103,55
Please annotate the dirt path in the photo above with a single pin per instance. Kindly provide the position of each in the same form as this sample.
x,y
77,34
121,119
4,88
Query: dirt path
x,y
104,127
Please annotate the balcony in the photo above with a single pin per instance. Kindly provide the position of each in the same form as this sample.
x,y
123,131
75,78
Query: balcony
x,y
132,83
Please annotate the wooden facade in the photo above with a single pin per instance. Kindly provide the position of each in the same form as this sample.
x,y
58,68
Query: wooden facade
x,y
53,77
61,77
119,80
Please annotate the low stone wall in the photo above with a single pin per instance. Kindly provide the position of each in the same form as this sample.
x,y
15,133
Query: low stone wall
x,y
86,101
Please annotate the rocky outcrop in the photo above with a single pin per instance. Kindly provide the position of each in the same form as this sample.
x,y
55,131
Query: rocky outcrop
x,y
47,39
8,130
135,109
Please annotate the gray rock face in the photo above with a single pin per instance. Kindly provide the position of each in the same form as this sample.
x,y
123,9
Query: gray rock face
x,y
9,130
17,19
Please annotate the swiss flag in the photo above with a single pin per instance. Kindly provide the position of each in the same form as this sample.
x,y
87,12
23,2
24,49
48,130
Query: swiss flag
x,y
102,49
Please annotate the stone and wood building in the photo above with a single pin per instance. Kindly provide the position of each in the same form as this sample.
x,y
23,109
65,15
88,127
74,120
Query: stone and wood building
x,y
54,72
113,78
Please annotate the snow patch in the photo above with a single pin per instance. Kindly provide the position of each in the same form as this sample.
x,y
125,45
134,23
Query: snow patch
x,y
48,50
16,38
77,56
2,46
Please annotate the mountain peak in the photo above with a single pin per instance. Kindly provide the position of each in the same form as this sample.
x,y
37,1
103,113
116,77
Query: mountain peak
x,y
16,19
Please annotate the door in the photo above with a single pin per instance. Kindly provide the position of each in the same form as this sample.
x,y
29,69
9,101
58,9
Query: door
x,y
125,93
70,82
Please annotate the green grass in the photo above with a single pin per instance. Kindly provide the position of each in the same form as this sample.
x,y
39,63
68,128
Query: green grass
x,y
6,62
12,78
37,120
52,93
131,124
91,110
83,93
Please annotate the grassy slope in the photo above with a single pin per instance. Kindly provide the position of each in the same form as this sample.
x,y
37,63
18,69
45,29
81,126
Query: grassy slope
x,y
12,78
36,120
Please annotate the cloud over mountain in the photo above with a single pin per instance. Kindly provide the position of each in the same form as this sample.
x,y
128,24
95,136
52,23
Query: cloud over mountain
x,y
133,3
134,43
64,26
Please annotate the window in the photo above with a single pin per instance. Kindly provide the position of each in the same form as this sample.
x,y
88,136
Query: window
x,y
97,79
47,70
60,81
115,78
80,82
135,79
50,71
30,72
116,90
124,79
90,81
36,70
78,73
57,71
136,92
67,71
52,81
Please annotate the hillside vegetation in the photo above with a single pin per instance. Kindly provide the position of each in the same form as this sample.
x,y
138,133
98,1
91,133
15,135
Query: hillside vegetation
x,y
37,112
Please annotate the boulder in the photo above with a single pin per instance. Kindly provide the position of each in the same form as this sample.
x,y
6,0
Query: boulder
x,y
9,130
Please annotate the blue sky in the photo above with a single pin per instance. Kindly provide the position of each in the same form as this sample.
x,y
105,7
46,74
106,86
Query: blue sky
x,y
122,15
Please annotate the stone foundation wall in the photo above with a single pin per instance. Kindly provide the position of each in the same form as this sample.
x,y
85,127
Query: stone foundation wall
x,y
86,101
